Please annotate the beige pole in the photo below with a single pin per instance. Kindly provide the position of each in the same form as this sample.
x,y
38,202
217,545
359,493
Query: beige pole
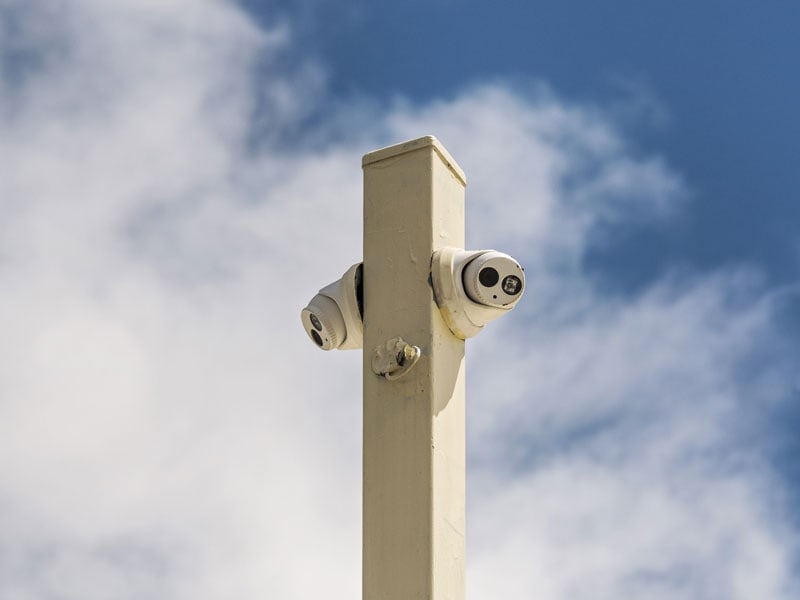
x,y
414,428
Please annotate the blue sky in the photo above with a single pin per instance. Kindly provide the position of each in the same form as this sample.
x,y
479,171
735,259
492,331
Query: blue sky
x,y
166,429
713,81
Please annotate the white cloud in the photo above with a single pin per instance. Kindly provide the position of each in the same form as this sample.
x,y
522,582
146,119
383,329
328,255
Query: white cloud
x,y
629,464
166,431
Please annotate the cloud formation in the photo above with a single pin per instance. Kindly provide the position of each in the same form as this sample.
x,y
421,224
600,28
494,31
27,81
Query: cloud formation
x,y
166,431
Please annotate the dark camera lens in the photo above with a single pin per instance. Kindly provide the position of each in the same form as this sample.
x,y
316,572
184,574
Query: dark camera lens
x,y
488,277
512,285
316,337
315,322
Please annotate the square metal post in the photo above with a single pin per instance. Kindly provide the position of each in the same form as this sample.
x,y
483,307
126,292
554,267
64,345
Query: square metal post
x,y
414,427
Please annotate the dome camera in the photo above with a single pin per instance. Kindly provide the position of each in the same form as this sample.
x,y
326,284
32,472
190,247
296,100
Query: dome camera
x,y
493,279
334,317
472,288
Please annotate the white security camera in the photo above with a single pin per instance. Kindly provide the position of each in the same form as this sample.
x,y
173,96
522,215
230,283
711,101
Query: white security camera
x,y
334,317
474,287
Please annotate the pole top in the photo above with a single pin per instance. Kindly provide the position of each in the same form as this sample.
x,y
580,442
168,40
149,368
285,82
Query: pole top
x,y
411,146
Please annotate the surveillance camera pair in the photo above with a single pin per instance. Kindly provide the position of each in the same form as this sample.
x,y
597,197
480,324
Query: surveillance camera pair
x,y
471,288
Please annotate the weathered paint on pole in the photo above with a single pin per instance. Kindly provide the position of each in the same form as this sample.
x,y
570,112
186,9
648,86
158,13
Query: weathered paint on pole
x,y
414,426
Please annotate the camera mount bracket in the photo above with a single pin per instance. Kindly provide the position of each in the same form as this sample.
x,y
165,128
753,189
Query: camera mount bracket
x,y
395,358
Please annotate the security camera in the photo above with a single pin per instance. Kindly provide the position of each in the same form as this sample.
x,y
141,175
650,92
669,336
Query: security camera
x,y
472,288
334,317
493,279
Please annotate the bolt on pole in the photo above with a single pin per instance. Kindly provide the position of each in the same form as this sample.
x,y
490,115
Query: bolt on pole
x,y
413,379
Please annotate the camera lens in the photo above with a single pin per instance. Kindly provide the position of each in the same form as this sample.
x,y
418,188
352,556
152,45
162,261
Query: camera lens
x,y
488,277
512,285
316,337
315,322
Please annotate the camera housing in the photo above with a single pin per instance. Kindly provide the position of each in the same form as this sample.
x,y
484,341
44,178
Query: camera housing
x,y
334,317
472,288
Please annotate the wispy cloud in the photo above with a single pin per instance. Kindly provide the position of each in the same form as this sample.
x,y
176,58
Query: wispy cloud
x,y
167,431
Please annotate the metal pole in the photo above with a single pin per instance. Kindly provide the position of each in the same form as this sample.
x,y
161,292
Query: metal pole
x,y
414,427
